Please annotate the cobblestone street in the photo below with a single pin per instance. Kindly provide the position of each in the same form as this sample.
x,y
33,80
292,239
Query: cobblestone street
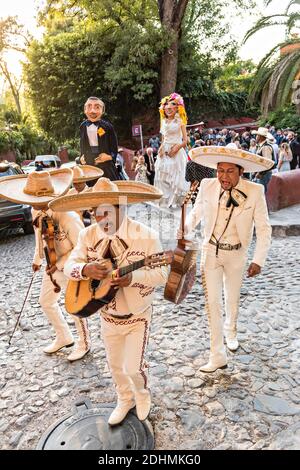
x,y
253,404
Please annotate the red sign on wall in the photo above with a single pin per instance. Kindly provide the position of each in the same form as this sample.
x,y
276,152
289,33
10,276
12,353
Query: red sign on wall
x,y
136,130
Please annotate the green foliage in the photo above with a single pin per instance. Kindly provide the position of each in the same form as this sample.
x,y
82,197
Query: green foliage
x,y
113,49
12,37
23,138
199,82
72,146
283,118
119,66
273,81
11,116
236,77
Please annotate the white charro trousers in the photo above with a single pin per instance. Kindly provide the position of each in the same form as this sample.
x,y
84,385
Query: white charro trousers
x,y
125,343
221,273
49,303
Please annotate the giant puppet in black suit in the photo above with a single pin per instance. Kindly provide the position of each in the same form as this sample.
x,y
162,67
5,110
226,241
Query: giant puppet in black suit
x,y
98,140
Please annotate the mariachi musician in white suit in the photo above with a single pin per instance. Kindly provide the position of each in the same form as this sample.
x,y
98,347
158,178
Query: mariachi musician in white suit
x,y
228,207
125,320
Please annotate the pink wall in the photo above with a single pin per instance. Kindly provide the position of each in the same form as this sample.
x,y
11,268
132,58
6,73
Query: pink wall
x,y
284,190
10,156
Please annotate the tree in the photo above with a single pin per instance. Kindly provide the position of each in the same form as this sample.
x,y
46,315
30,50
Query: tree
x,y
121,66
13,82
174,20
236,76
145,13
12,37
274,83
114,49
171,15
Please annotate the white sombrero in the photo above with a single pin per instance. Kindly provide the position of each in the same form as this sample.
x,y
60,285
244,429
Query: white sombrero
x,y
210,157
37,188
107,192
263,132
82,173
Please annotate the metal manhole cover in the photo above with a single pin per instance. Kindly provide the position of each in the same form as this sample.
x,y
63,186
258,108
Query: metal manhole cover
x,y
87,429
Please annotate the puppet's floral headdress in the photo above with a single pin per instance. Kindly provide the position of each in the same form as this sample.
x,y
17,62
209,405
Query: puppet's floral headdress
x,y
180,103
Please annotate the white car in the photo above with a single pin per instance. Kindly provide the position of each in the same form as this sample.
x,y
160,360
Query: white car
x,y
29,168
68,165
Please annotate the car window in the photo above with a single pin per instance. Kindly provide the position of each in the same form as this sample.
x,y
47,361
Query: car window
x,y
48,163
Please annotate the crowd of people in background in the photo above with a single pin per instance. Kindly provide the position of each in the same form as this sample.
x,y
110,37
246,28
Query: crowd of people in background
x,y
165,162
282,145
246,140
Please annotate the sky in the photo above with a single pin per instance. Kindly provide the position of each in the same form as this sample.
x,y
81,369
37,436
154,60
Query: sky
x,y
254,49
263,41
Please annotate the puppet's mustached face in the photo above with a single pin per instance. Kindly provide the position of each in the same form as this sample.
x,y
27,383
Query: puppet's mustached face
x,y
93,110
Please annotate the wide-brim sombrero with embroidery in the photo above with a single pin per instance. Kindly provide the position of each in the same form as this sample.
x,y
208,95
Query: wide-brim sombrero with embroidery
x,y
109,193
263,132
37,188
210,156
83,173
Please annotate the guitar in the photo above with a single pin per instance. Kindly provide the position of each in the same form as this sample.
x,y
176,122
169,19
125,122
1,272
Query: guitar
x,y
183,267
85,297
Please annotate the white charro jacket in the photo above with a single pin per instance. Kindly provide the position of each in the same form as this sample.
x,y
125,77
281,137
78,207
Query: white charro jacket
x,y
141,241
252,212
68,226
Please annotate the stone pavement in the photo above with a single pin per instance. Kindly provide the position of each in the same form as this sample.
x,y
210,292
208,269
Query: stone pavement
x,y
254,404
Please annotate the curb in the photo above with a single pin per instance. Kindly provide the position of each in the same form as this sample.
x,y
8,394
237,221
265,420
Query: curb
x,y
285,231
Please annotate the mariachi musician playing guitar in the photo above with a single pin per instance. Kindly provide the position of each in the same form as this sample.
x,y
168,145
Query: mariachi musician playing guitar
x,y
125,320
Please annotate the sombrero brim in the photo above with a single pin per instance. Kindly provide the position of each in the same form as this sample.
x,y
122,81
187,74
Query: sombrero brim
x,y
210,157
90,173
12,187
130,192
269,135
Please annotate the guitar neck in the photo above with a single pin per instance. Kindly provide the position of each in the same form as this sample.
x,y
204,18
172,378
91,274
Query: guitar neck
x,y
132,267
188,197
183,215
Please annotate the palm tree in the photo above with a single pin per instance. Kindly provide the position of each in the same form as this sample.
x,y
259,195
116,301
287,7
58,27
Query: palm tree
x,y
274,82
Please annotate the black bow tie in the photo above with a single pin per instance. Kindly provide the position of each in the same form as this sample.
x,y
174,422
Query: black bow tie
x,y
89,123
231,200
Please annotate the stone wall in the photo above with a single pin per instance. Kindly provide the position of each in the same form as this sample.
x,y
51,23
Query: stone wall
x,y
284,190
10,156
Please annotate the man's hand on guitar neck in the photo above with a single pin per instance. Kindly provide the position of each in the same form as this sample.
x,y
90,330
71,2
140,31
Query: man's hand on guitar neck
x,y
123,281
95,270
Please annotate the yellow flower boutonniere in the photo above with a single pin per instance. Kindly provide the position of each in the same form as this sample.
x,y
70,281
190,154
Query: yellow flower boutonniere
x,y
101,131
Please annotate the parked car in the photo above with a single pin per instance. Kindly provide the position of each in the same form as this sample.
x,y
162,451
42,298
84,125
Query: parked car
x,y
47,161
29,168
13,215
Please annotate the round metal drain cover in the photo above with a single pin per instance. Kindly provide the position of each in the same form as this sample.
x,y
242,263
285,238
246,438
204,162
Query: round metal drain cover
x,y
87,429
